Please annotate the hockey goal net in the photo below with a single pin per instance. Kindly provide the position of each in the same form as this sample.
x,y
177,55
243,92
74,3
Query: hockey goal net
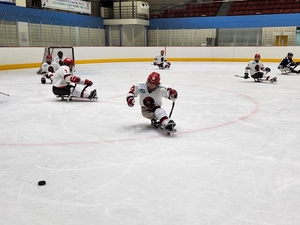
x,y
68,52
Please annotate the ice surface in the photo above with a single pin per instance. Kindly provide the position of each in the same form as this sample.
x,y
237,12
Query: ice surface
x,y
235,159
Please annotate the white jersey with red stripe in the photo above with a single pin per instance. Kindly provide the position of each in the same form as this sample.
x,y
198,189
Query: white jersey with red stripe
x,y
255,67
160,59
142,91
62,76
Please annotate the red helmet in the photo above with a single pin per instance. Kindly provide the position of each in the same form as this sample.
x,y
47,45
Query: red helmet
x,y
162,51
257,56
49,57
68,61
154,78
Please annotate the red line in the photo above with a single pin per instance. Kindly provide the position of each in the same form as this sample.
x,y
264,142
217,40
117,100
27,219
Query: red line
x,y
254,111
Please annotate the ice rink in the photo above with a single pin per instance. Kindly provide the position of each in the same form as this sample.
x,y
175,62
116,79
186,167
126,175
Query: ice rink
x,y
235,159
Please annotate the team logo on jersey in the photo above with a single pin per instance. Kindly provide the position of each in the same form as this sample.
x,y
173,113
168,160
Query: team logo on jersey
x,y
149,102
143,86
253,62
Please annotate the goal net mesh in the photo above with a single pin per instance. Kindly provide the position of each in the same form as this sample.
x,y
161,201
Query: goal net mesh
x,y
68,52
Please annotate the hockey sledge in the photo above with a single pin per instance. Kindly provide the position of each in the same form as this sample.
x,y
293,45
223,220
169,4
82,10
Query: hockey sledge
x,y
168,66
162,68
285,72
155,124
272,80
69,98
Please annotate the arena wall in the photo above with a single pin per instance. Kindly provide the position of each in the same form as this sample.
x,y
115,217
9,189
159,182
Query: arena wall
x,y
31,57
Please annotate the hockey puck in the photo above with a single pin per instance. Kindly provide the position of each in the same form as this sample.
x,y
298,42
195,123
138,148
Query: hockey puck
x,y
42,183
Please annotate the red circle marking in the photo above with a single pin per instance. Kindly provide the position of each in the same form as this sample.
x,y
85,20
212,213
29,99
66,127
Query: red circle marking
x,y
254,111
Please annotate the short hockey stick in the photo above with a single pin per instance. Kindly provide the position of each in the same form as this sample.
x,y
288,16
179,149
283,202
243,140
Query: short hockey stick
x,y
173,104
4,94
240,76
248,77
83,90
71,94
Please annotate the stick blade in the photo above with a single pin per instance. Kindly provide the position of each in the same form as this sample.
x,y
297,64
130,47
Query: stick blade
x,y
4,94
236,75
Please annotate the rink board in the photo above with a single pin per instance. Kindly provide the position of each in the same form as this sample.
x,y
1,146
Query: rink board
x,y
17,58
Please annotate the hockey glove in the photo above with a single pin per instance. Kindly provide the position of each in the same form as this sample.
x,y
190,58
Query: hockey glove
x,y
268,69
73,79
172,94
246,75
88,82
130,101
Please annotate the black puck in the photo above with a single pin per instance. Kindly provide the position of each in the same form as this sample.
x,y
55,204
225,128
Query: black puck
x,y
41,182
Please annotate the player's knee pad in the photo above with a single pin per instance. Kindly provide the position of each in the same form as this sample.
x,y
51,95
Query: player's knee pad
x,y
293,70
77,92
285,70
160,113
166,65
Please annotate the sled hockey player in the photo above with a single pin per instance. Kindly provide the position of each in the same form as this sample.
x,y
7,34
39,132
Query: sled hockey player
x,y
60,58
48,69
161,61
150,94
256,67
64,78
287,65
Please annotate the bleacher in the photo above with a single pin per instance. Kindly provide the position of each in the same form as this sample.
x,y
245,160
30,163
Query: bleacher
x,y
254,7
190,10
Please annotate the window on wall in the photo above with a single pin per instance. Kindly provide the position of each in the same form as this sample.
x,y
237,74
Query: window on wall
x,y
298,36
239,37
